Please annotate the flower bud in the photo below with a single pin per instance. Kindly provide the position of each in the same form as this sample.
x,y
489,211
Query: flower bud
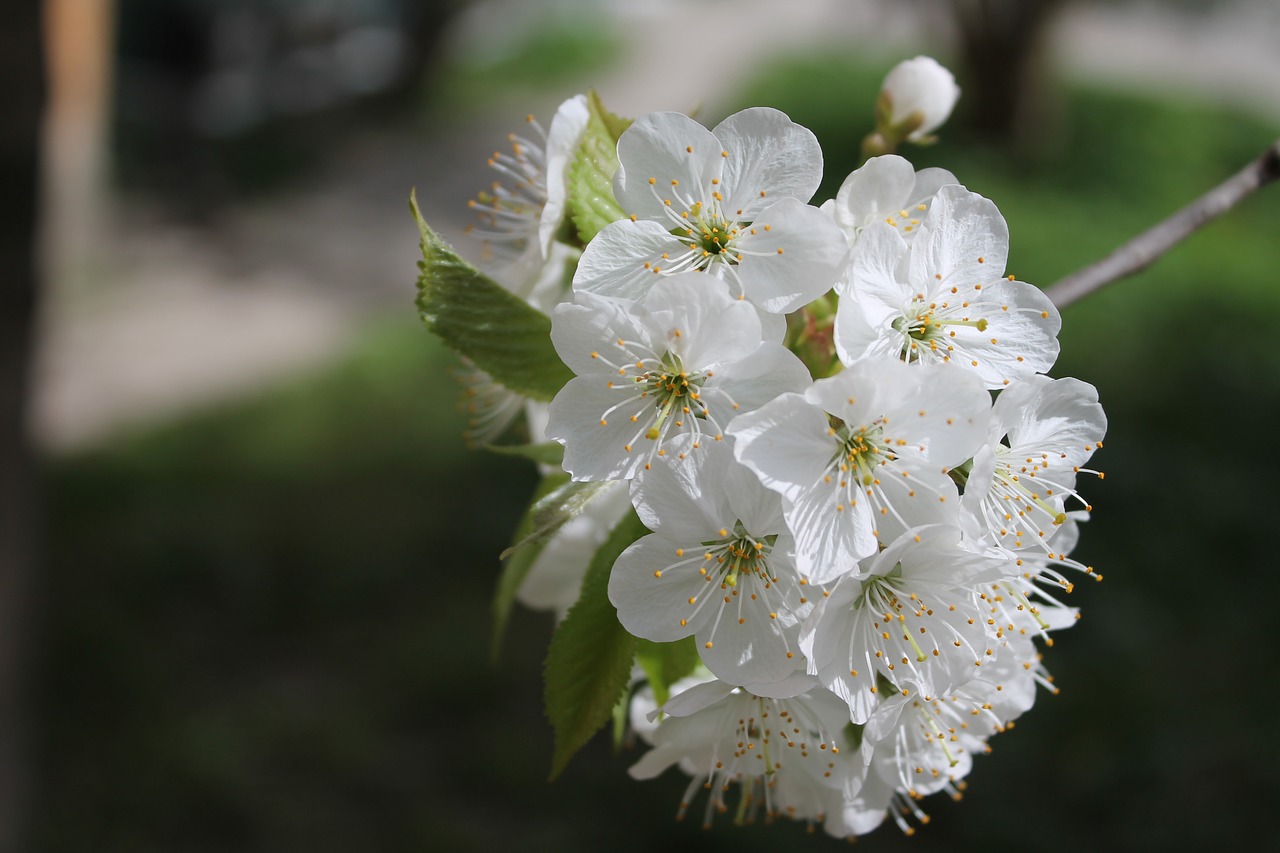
x,y
917,97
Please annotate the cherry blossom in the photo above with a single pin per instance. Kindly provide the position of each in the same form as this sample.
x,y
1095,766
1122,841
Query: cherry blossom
x,y
686,360
718,566
863,455
730,202
945,298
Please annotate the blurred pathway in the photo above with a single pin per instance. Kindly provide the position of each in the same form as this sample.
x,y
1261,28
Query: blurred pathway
x,y
156,318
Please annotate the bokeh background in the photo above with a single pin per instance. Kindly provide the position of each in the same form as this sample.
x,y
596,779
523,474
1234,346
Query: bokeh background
x,y
246,563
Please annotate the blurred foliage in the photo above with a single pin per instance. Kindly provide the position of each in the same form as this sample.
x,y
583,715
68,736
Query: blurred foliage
x,y
213,101
550,54
268,624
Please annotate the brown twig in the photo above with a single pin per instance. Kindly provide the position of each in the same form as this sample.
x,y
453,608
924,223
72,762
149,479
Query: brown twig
x,y
1143,250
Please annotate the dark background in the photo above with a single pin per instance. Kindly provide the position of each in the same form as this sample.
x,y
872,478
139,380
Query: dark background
x,y
263,624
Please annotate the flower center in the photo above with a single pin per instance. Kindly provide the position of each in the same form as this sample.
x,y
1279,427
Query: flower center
x,y
884,595
713,237
925,324
709,235
858,451
675,393
740,553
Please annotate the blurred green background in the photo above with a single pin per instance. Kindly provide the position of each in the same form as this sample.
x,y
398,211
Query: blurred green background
x,y
265,622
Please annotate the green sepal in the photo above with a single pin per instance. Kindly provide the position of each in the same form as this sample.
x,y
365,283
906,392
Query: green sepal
x,y
546,453
590,174
517,566
960,473
853,736
551,511
884,109
666,663
589,660
477,318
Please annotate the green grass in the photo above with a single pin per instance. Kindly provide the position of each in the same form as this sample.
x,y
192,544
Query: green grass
x,y
267,624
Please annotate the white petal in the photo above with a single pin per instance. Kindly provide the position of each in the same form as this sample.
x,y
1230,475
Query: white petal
x,y
1065,418
753,637
745,385
769,157
595,442
759,509
666,147
797,683
1011,402
954,411
712,326
555,578
921,85
614,263
832,530
875,297
928,182
881,186
651,584
828,639
696,698
792,255
1021,337
686,500
960,228
785,443
562,140
585,332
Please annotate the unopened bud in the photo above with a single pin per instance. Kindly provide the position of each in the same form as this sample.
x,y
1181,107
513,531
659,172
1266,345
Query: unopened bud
x,y
919,95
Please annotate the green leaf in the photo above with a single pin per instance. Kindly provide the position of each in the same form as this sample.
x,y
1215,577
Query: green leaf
x,y
616,125
551,511
547,453
476,317
619,715
589,660
590,174
519,563
666,663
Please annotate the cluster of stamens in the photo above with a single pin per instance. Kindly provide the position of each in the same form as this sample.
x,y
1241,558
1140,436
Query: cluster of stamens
x,y
925,324
733,558
509,213
765,732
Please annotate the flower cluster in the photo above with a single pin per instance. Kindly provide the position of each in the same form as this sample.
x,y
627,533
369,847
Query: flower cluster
x,y
857,484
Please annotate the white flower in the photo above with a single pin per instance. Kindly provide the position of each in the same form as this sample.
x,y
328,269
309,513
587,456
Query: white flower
x,y
554,581
1038,574
910,618
859,814
718,566
518,223
684,361
643,712
784,753
921,745
863,455
887,189
944,297
522,210
1019,490
489,405
730,202
567,127
920,755
919,90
